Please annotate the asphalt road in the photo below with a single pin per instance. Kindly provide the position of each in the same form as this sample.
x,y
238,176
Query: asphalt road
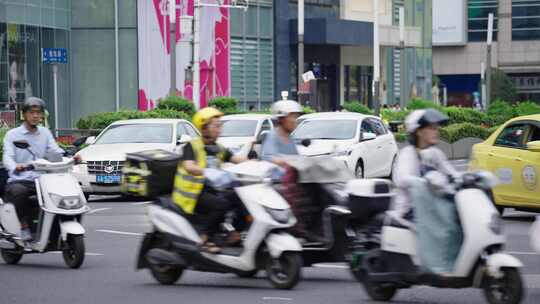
x,y
108,276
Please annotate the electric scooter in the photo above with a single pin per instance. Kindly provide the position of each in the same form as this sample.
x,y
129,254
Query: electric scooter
x,y
480,263
58,226
174,244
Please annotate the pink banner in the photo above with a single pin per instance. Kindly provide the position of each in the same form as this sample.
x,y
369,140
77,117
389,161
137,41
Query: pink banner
x,y
154,52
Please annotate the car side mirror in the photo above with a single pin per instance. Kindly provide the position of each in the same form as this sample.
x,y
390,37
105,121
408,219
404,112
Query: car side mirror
x,y
261,137
368,136
534,146
80,141
183,139
21,144
90,140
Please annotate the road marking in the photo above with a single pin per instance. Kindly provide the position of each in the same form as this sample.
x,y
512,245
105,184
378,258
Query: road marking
x,y
87,253
329,265
521,253
119,232
141,203
97,210
276,299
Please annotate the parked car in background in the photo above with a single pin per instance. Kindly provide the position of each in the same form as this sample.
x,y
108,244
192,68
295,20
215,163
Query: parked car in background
x,y
512,153
240,129
101,169
363,142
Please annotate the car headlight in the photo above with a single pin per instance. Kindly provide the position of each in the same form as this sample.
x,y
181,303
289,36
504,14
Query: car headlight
x,y
342,153
67,203
281,216
496,224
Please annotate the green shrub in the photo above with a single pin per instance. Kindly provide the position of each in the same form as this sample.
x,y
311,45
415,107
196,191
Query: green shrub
x,y
178,104
418,104
455,132
390,115
3,132
102,120
401,137
527,108
308,110
355,106
502,86
458,115
492,129
227,105
499,112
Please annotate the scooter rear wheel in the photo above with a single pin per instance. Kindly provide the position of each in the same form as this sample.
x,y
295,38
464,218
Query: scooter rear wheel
x,y
379,291
285,271
505,290
74,252
11,257
164,274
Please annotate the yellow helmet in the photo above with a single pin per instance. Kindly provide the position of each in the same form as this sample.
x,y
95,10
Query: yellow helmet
x,y
203,116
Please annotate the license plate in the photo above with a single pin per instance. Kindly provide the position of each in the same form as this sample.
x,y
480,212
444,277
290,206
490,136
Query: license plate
x,y
108,179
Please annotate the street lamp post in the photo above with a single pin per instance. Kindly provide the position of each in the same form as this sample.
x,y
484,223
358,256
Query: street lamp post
x,y
402,66
172,21
488,59
376,57
300,44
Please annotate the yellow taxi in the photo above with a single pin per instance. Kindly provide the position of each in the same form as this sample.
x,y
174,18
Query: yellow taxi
x,y
512,153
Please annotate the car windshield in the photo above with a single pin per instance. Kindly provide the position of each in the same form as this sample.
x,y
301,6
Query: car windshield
x,y
238,128
326,129
137,133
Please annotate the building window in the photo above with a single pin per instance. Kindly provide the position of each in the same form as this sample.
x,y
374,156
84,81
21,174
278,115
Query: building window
x,y
479,11
525,20
252,55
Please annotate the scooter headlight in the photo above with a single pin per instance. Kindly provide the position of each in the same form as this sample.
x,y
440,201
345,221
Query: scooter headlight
x,y
496,224
281,216
68,203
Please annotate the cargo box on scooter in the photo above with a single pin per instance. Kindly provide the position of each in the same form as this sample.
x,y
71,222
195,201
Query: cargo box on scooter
x,y
368,198
149,174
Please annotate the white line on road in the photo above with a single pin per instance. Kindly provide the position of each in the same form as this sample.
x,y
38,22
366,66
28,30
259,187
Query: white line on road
x,y
87,253
97,210
140,203
521,253
328,265
276,299
119,232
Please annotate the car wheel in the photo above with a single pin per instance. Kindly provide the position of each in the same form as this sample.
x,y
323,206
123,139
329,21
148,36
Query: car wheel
x,y
392,167
359,170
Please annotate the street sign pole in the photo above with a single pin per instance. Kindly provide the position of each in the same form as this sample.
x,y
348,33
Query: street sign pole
x,y
300,46
55,89
376,57
172,22
488,59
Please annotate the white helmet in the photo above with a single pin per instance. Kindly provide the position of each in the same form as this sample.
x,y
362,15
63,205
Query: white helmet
x,y
285,107
422,118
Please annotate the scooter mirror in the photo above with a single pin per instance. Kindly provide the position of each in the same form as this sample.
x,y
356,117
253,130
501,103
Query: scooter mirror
x,y
306,142
21,144
80,141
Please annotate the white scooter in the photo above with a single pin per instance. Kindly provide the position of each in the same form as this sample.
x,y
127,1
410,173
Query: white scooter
x,y
480,262
174,244
61,206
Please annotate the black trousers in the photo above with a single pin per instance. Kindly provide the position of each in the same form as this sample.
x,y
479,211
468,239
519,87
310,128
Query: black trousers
x,y
18,193
211,209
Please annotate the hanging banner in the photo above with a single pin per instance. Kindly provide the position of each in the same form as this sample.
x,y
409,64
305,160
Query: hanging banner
x,y
154,52
449,22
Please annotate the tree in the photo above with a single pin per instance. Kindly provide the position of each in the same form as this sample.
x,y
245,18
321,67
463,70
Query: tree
x,y
502,87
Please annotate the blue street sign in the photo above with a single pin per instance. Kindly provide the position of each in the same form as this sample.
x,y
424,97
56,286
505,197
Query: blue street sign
x,y
54,55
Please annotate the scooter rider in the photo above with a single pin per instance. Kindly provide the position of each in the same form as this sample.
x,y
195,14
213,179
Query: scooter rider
x,y
21,183
279,141
423,129
201,157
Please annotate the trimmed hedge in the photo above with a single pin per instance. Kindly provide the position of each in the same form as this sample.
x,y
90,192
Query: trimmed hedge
x,y
465,115
355,106
527,108
227,105
178,104
102,120
455,132
418,104
499,112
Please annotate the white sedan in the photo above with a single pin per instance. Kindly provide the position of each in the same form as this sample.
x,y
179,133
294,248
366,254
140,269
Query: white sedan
x,y
362,141
241,129
102,161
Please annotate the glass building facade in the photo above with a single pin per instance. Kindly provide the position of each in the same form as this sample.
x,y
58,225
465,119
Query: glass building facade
x,y
479,11
525,20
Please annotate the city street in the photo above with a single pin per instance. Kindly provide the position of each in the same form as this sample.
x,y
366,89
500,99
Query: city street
x,y
114,230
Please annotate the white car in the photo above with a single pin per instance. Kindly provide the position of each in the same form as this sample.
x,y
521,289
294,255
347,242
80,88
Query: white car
x,y
102,161
240,129
363,142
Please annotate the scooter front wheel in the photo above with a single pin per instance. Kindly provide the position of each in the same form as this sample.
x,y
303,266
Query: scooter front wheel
x,y
74,251
507,289
284,272
11,257
379,291
165,274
